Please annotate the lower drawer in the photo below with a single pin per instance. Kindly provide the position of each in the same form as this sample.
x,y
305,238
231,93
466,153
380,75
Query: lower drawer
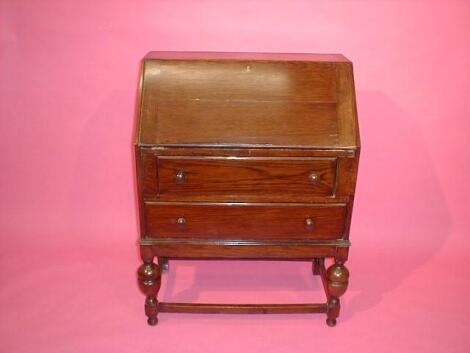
x,y
245,221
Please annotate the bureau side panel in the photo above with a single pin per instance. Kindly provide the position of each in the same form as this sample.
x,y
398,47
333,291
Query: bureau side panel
x,y
138,186
348,127
347,178
149,175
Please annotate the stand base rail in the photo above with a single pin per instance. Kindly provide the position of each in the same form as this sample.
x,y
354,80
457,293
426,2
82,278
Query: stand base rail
x,y
334,280
204,308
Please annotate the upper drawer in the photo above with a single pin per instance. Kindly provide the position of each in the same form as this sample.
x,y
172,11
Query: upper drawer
x,y
221,176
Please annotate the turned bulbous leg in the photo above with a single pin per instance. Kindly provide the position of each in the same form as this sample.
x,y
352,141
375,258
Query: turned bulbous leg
x,y
149,275
337,278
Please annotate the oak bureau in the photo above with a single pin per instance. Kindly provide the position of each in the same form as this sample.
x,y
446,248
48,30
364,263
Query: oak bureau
x,y
246,156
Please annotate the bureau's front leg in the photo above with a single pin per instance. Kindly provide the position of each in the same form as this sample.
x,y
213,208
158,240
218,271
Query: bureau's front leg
x,y
337,277
149,280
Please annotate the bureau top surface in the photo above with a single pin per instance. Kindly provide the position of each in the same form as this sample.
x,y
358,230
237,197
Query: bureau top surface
x,y
247,100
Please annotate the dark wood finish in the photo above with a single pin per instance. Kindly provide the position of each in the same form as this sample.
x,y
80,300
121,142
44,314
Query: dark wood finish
x,y
149,176
202,102
338,176
197,248
245,176
253,221
201,308
149,275
246,152
335,282
172,125
246,156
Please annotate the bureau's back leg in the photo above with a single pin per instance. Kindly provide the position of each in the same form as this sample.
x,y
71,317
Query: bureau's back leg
x,y
317,265
149,275
164,263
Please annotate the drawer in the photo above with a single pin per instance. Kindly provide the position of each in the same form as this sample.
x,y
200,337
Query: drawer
x,y
245,221
221,176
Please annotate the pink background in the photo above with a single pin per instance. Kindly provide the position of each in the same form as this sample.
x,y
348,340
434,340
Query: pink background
x,y
68,78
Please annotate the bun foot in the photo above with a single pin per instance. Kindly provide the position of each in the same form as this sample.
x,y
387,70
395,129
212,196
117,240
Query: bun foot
x,y
152,321
331,322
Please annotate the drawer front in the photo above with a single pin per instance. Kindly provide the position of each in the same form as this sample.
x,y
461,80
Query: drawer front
x,y
245,221
245,176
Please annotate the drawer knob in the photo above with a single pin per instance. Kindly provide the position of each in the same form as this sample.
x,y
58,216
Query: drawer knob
x,y
181,221
309,223
314,177
180,177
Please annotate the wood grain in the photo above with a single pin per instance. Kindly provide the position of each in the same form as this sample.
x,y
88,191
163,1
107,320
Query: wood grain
x,y
242,81
346,107
244,221
243,123
246,156
248,176
292,151
216,251
247,102
203,308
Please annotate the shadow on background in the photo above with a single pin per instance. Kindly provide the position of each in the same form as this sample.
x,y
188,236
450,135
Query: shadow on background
x,y
401,219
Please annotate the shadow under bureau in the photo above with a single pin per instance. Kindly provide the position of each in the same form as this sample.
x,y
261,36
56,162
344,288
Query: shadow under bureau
x,y
246,156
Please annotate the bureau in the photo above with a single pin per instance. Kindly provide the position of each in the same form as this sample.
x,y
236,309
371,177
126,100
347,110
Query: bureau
x,y
246,156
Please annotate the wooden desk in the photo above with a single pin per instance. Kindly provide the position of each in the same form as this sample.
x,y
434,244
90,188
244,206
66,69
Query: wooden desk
x,y
246,156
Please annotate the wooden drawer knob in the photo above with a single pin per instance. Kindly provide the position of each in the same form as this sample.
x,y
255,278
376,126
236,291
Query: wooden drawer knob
x,y
309,223
314,177
181,221
180,177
